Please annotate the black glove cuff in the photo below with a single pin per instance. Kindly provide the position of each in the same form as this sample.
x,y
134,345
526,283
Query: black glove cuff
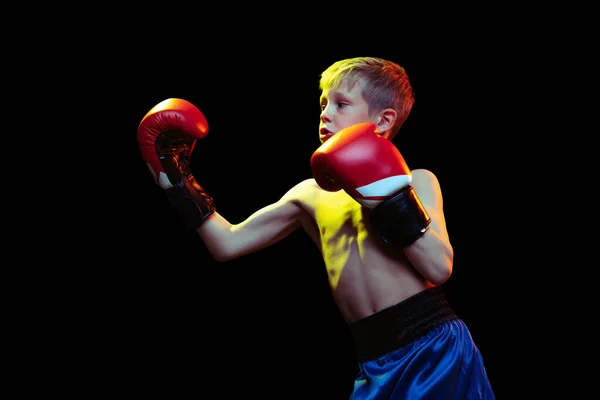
x,y
191,202
401,219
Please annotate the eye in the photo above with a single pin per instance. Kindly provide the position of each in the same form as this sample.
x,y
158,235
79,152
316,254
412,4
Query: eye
x,y
341,104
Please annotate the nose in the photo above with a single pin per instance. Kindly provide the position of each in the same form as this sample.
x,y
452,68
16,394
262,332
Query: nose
x,y
325,116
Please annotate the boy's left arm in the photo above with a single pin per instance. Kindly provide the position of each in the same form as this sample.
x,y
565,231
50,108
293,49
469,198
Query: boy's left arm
x,y
431,254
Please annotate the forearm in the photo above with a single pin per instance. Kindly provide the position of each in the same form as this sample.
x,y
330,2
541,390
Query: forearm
x,y
432,256
226,241
216,233
166,137
418,228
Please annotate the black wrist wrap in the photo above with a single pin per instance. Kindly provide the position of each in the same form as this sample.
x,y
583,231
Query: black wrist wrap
x,y
401,219
191,202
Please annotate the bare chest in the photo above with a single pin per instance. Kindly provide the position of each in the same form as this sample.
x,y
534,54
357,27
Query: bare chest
x,y
364,274
341,232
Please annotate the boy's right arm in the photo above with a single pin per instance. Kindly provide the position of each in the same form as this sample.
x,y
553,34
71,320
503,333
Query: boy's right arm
x,y
226,241
167,136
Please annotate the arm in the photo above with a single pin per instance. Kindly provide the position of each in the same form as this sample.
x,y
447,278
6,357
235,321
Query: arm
x,y
167,136
226,241
432,254
406,207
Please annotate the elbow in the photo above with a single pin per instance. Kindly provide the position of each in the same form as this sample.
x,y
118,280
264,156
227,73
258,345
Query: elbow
x,y
226,250
443,270
222,256
220,253
441,276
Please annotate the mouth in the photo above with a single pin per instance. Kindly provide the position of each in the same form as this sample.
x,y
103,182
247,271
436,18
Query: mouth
x,y
324,134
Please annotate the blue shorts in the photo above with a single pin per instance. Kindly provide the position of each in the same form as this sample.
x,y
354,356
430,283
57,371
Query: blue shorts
x,y
417,350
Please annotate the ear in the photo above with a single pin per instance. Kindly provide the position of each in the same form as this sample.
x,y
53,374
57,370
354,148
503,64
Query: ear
x,y
385,121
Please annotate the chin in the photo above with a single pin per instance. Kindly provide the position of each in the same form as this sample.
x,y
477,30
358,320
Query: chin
x,y
325,138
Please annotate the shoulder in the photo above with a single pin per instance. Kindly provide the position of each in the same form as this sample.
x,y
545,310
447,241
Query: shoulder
x,y
308,184
300,198
303,190
425,178
426,184
307,187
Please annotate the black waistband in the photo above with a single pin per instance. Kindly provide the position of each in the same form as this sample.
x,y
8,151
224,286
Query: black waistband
x,y
399,325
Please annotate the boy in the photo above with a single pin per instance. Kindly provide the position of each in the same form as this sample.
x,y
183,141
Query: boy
x,y
379,226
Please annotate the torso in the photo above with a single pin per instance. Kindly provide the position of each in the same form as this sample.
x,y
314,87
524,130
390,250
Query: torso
x,y
365,274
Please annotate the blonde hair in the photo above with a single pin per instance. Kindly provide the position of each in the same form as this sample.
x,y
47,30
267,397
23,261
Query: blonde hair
x,y
386,85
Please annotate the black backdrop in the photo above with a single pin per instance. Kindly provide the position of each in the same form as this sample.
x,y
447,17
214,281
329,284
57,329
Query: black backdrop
x,y
264,324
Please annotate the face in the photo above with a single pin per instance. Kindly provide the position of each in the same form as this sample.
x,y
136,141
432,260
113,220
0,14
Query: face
x,y
340,108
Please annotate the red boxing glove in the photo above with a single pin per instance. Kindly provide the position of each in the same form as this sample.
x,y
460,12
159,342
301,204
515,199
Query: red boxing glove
x,y
372,170
176,118
166,137
362,163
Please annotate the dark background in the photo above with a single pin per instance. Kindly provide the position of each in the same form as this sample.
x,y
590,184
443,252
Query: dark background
x,y
166,318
